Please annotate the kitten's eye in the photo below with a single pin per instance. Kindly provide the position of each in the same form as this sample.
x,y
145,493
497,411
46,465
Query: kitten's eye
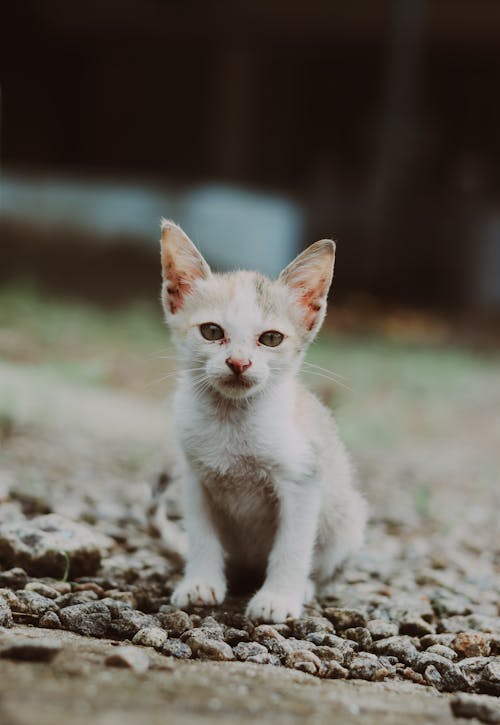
x,y
211,331
272,338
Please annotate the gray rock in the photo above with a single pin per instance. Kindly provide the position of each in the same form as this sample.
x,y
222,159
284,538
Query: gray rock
x,y
446,604
474,665
345,618
305,661
115,607
361,636
432,639
47,545
401,647
132,657
43,589
477,622
71,598
204,646
366,666
6,619
483,708
32,650
306,625
176,648
15,578
91,619
382,629
129,622
176,622
440,649
244,650
333,670
49,620
233,636
432,677
415,625
266,633
490,677
150,637
35,603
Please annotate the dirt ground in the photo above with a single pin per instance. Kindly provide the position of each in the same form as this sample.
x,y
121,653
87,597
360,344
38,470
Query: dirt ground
x,y
85,430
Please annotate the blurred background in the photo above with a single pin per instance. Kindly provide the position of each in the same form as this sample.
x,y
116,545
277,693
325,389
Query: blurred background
x,y
259,127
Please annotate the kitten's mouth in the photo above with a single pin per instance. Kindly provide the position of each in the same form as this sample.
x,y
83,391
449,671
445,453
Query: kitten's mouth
x,y
237,382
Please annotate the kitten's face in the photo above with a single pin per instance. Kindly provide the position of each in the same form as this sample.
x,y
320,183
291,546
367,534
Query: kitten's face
x,y
237,333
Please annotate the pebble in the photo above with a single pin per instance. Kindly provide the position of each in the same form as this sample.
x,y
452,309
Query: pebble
x,y
150,637
131,657
91,619
482,707
176,648
204,646
306,625
490,677
305,661
35,603
401,647
440,649
233,636
333,670
6,619
361,636
42,589
244,650
415,626
366,666
129,622
345,618
382,629
31,650
432,677
176,622
265,632
49,620
15,578
471,644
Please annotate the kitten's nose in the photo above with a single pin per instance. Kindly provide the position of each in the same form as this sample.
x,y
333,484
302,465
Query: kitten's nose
x,y
238,366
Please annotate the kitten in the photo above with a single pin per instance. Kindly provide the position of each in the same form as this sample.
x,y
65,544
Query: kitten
x,y
267,482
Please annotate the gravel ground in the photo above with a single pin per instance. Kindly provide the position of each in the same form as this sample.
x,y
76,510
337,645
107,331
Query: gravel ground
x,y
414,619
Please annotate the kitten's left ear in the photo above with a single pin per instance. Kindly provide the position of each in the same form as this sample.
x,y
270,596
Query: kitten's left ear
x,y
182,265
310,276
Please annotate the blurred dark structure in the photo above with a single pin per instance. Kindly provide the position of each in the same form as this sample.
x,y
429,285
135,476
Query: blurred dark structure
x,y
382,119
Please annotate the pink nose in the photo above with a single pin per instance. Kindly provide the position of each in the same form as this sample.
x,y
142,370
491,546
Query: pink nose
x,y
238,366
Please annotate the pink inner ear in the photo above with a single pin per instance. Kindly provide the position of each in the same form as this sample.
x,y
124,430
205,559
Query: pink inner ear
x,y
178,286
310,298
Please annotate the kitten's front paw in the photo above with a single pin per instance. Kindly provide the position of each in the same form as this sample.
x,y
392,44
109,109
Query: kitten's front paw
x,y
268,606
198,592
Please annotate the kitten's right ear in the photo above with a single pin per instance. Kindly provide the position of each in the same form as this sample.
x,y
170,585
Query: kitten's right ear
x,y
182,265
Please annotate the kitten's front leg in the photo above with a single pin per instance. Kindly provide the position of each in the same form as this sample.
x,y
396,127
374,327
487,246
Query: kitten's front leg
x,y
287,583
204,581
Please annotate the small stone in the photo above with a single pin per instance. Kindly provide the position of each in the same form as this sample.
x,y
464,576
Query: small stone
x,y
432,677
176,622
244,650
15,578
42,589
205,647
35,603
400,646
131,657
89,586
72,598
482,707
49,620
440,649
176,648
6,619
415,626
474,665
47,545
232,636
413,676
477,622
471,644
91,619
366,666
306,625
432,639
361,636
381,629
265,632
490,677
345,618
129,622
119,596
115,607
333,670
304,661
31,650
150,637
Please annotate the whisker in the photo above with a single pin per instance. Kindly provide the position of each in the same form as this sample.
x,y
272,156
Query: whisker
x,y
328,377
325,370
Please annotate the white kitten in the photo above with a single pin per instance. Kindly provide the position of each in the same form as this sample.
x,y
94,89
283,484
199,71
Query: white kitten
x,y
267,482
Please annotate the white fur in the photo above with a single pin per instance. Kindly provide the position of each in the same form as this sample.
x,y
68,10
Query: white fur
x,y
267,481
